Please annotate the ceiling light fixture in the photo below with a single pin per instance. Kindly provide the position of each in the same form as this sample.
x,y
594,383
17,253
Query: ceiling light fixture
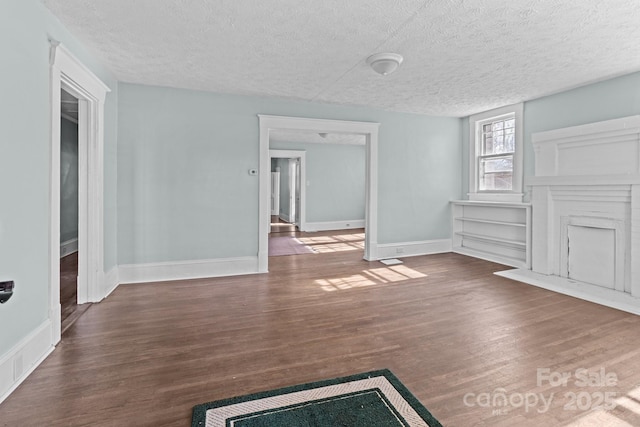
x,y
384,63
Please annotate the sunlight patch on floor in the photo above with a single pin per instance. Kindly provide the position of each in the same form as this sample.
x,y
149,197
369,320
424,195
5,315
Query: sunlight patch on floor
x,y
373,276
329,244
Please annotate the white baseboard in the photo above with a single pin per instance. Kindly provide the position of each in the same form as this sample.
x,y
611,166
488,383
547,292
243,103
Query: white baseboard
x,y
334,225
585,291
284,217
110,281
182,270
406,249
68,247
19,362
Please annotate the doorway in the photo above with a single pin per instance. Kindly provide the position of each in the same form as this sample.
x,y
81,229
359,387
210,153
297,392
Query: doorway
x,y
288,195
369,130
69,223
69,74
290,168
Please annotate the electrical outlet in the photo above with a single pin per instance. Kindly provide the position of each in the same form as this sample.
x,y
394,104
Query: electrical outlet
x,y
399,250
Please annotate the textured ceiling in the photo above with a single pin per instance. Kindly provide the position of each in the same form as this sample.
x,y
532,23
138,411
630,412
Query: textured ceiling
x,y
460,56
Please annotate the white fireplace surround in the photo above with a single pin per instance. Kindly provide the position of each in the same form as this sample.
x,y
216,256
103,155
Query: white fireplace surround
x,y
585,198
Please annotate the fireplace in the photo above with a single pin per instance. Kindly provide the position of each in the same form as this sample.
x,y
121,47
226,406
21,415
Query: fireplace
x,y
586,213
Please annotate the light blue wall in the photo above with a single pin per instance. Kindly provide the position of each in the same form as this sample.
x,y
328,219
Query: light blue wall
x,y
609,99
68,180
335,180
184,192
25,26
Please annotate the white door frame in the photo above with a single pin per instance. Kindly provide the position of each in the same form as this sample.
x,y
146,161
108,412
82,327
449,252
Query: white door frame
x,y
368,129
70,74
302,155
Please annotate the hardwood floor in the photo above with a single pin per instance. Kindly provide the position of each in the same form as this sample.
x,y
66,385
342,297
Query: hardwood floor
x,y
70,309
281,228
454,333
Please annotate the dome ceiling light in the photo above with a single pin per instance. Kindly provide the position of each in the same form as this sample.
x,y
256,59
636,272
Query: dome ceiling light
x,y
384,63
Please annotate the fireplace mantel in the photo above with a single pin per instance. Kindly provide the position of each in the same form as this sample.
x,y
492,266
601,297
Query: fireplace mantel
x,y
585,200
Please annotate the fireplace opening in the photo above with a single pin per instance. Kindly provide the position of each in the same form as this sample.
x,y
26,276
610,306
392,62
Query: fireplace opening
x,y
591,255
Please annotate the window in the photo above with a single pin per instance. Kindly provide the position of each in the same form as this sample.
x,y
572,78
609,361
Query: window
x,y
495,158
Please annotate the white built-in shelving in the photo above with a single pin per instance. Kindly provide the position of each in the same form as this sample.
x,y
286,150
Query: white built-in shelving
x,y
495,231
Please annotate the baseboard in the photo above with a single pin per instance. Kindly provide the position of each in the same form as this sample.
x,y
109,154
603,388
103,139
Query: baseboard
x,y
110,281
406,249
334,225
19,362
182,270
284,217
68,247
585,291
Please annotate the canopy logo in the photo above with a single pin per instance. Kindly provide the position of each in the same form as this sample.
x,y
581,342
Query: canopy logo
x,y
502,402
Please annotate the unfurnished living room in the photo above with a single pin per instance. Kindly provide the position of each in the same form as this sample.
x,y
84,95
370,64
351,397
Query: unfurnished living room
x,y
320,213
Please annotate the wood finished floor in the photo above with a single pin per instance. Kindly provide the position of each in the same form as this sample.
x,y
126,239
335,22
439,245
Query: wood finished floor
x,y
444,324
69,307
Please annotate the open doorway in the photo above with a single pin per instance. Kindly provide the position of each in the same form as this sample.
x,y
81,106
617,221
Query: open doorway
x,y
68,74
270,124
69,210
321,210
288,195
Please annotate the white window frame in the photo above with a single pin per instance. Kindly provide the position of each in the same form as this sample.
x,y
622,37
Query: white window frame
x,y
475,148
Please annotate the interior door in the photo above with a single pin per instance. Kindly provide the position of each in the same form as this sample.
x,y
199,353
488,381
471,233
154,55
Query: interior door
x,y
293,190
297,192
275,193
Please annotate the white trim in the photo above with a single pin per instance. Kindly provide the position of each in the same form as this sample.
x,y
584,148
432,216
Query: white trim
x,y
335,225
284,217
19,362
68,73
368,129
184,270
407,249
586,291
496,197
510,196
110,281
302,155
68,247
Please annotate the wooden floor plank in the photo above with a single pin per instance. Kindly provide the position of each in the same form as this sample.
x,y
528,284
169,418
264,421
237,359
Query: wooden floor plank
x,y
444,324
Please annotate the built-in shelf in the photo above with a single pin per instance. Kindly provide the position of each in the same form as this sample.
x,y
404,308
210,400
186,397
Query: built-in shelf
x,y
494,231
487,221
494,239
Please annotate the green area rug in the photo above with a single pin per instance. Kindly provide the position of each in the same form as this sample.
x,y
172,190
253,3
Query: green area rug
x,y
369,399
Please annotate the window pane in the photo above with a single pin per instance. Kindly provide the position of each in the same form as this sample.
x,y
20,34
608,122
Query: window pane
x,y
500,164
496,173
488,146
510,143
496,182
495,154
